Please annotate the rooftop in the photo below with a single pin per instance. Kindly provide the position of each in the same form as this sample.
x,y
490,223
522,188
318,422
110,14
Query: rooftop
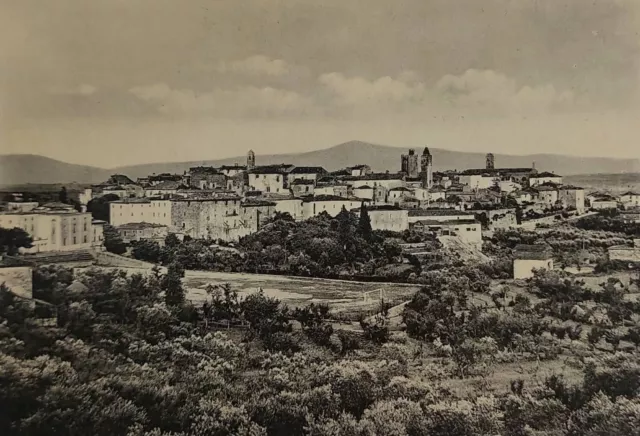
x,y
272,169
532,252
480,171
327,198
546,174
302,182
308,170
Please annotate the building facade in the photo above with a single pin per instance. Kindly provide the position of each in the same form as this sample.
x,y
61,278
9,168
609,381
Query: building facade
x,y
140,210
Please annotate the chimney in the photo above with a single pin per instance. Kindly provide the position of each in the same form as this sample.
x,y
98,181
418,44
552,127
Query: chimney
x,y
534,165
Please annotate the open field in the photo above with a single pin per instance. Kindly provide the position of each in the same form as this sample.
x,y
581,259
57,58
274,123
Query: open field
x,y
340,295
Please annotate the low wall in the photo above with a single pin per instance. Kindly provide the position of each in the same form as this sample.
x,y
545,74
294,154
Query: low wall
x,y
627,254
113,260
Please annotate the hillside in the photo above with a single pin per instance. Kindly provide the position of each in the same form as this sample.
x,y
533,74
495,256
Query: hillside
x,y
382,157
19,169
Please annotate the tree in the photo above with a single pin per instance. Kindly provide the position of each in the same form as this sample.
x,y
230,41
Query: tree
x,y
112,240
364,223
174,294
63,196
146,250
99,207
13,239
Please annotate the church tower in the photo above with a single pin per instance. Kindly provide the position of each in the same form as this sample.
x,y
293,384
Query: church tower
x,y
426,168
251,160
490,161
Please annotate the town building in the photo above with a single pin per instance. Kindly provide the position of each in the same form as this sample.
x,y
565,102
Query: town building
x,y
270,178
479,181
572,197
204,177
330,204
21,206
426,168
528,258
136,210
630,199
120,185
409,164
224,217
164,188
547,194
143,231
543,178
386,217
53,227
468,231
358,170
302,187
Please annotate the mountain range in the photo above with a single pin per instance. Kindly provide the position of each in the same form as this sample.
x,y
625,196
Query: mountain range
x,y
19,169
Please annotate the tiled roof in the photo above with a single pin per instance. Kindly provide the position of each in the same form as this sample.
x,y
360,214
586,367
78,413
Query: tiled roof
x,y
308,170
272,169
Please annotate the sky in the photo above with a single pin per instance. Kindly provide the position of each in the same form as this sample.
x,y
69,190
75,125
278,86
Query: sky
x,y
119,82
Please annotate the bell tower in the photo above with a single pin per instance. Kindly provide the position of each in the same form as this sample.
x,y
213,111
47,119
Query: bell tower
x,y
426,168
251,160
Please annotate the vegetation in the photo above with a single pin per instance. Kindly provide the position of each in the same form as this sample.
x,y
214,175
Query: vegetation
x,y
129,355
11,240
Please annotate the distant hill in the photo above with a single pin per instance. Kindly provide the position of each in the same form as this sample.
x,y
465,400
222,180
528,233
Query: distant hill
x,y
19,169
28,168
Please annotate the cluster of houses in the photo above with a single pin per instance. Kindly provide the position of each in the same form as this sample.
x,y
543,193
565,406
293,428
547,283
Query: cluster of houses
x,y
232,201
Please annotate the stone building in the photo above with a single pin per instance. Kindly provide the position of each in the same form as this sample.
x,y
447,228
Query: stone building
x,y
426,168
572,197
143,231
225,217
207,178
409,164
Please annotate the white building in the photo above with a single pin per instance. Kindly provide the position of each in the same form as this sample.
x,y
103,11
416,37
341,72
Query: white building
x,y
140,210
547,195
53,227
292,206
390,218
544,177
479,181
330,204
527,258
630,199
270,178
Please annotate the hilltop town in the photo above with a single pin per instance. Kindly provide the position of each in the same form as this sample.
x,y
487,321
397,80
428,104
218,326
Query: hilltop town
x,y
227,203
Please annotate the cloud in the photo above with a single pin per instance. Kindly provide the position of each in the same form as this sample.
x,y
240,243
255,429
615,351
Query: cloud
x,y
361,92
84,90
249,101
256,65
494,92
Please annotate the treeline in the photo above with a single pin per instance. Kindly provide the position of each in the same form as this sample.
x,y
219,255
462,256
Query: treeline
x,y
332,247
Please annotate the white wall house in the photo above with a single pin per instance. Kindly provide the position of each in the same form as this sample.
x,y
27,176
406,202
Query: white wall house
x,y
140,210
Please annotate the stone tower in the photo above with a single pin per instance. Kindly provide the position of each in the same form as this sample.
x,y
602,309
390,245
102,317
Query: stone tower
x,y
426,168
490,161
409,163
251,160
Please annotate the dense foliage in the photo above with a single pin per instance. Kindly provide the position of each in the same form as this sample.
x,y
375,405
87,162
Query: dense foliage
x,y
323,246
11,240
120,360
